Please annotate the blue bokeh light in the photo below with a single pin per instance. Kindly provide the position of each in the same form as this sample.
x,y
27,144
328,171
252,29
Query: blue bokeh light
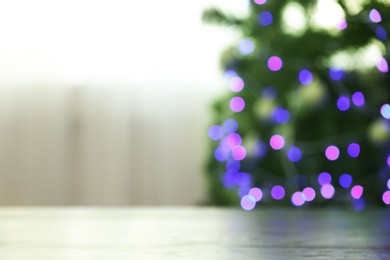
x,y
221,153
280,115
230,125
233,165
345,180
305,77
246,46
215,132
294,154
354,150
381,33
343,103
336,73
265,18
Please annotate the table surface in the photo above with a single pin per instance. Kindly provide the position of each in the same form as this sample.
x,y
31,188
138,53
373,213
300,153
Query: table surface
x,y
192,233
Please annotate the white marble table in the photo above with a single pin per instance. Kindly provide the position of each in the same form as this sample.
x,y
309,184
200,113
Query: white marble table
x,y
192,233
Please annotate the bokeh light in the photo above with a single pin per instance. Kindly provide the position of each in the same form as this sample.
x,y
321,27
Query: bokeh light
x,y
244,180
336,73
221,153
278,192
294,154
324,178
359,204
215,132
358,99
309,193
375,16
260,2
229,74
382,65
246,46
386,197
260,149
280,115
298,198
356,191
343,103
237,104
381,33
276,142
230,125
332,153
275,63
265,18
236,84
248,202
388,184
243,191
270,92
256,193
353,150
388,162
327,191
233,165
345,180
233,139
385,111
305,77
238,153
342,25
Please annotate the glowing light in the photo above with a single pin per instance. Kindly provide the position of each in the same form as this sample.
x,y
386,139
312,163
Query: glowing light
x,y
280,115
243,179
358,204
294,154
345,180
388,162
324,178
356,191
375,16
309,193
342,25
332,153
276,142
260,149
265,18
358,99
243,191
228,179
221,153
278,192
215,132
386,197
233,165
256,193
327,191
336,74
248,202
260,2
382,65
298,198
236,84
229,74
388,184
238,153
230,125
237,104
270,92
354,150
246,46
233,140
305,77
385,111
343,103
275,63
381,33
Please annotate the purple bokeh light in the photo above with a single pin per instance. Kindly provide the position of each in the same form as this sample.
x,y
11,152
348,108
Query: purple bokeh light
x,y
265,18
260,2
358,99
381,33
309,193
342,25
221,153
354,150
375,16
388,184
230,125
276,142
305,77
270,92
236,84
388,162
229,74
294,154
324,178
237,104
345,180
280,115
243,179
229,179
327,191
298,198
278,192
215,132
248,202
256,193
386,197
385,111
275,63
336,73
356,191
332,153
343,103
382,65
233,165
238,153
233,139
246,46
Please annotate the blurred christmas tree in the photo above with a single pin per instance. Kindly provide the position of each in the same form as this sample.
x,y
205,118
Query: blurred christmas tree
x,y
306,119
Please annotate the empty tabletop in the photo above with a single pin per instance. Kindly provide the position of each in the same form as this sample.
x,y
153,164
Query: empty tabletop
x,y
192,233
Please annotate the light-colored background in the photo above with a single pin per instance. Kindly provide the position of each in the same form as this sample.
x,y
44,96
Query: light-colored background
x,y
107,102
